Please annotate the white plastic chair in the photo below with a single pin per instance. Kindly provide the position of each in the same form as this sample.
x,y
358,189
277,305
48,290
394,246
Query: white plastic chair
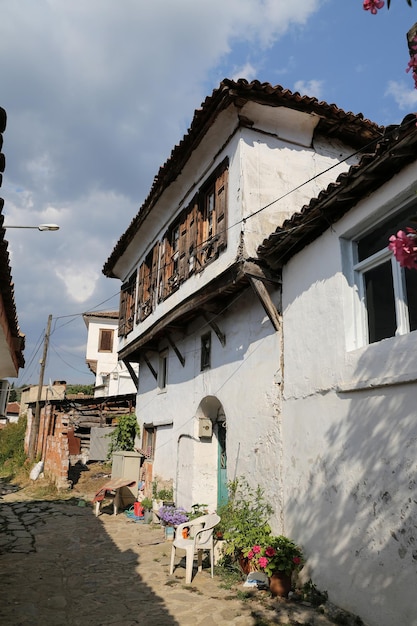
x,y
200,539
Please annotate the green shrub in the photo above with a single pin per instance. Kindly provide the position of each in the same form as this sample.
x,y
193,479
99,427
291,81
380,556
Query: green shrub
x,y
12,453
244,519
123,436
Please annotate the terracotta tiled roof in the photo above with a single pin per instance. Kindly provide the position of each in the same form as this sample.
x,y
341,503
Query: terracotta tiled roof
x,y
6,283
353,129
396,149
103,314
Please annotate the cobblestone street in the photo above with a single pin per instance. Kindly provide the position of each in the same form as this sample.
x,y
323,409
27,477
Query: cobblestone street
x,y
62,566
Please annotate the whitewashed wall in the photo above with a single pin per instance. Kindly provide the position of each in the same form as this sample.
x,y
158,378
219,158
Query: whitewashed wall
x,y
350,433
245,379
262,169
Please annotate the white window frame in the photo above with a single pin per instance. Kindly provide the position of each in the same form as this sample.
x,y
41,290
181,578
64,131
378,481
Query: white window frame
x,y
163,371
400,297
356,273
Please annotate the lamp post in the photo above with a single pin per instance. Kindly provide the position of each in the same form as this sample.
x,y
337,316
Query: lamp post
x,y
39,227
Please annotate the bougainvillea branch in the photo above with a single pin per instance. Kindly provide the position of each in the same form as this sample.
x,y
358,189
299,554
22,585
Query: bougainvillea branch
x,y
374,6
403,245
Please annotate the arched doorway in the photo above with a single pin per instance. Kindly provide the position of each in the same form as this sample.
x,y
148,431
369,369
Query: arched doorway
x,y
211,408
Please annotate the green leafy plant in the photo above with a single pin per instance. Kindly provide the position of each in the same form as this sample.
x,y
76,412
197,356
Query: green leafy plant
x,y
123,436
244,519
12,453
165,494
147,504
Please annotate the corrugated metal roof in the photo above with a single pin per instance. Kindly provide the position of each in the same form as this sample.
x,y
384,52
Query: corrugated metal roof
x,y
348,127
396,149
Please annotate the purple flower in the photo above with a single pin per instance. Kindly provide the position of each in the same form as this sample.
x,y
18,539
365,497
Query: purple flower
x,y
172,516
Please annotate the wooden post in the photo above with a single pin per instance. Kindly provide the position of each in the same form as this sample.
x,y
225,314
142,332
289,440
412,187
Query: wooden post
x,y
34,431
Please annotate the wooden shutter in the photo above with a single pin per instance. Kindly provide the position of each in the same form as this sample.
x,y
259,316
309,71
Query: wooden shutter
x,y
192,232
154,275
182,249
122,311
105,340
221,208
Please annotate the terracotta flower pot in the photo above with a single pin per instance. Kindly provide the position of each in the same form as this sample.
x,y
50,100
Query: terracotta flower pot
x,y
280,584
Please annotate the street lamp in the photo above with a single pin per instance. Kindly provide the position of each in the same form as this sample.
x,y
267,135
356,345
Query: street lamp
x,y
40,227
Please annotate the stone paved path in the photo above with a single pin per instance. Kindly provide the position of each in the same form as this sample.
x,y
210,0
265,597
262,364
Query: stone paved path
x,y
62,566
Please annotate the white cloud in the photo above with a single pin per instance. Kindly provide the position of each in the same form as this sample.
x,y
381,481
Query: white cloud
x,y
312,88
79,280
405,97
247,71
97,93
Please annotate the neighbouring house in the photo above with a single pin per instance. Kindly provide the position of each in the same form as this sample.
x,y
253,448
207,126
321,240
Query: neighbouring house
x,y
113,378
13,412
12,341
199,312
348,462
74,431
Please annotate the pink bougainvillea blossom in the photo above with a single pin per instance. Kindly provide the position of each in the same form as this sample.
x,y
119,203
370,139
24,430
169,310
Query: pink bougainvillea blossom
x,y
412,64
263,561
251,554
403,245
297,560
373,5
270,551
256,549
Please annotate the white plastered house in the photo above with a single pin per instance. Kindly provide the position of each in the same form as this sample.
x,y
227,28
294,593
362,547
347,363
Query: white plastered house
x,y
348,413
199,312
113,378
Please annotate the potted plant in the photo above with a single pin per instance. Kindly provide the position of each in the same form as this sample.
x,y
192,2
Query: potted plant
x,y
147,505
278,557
172,516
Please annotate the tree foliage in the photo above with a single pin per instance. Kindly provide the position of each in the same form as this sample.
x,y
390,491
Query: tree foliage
x,y
123,436
87,390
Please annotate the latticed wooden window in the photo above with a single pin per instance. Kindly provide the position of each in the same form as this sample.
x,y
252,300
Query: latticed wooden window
x,y
148,283
212,230
127,305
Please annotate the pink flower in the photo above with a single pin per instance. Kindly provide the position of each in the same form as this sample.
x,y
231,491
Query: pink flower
x,y
373,5
270,551
251,554
296,560
403,246
256,549
263,561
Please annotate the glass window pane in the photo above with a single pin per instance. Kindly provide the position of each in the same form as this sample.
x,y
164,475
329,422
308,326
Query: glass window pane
x,y
379,290
378,239
411,287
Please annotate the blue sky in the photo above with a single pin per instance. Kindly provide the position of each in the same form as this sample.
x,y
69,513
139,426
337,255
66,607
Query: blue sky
x,y
97,93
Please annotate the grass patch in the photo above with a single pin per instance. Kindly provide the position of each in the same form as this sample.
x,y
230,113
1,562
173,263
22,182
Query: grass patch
x,y
12,454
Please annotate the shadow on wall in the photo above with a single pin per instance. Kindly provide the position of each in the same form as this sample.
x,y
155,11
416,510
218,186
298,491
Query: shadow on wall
x,y
355,512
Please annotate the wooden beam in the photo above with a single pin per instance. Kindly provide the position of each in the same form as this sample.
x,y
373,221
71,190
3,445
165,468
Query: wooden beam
x,y
176,350
151,369
132,373
266,301
221,336
254,270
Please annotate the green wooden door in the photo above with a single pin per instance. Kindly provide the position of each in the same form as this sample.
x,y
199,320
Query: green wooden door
x,y
222,494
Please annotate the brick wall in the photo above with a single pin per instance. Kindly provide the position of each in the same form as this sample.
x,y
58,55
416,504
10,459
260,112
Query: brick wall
x,y
56,450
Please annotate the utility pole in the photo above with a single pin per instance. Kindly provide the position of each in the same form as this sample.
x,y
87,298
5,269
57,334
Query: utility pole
x,y
34,431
